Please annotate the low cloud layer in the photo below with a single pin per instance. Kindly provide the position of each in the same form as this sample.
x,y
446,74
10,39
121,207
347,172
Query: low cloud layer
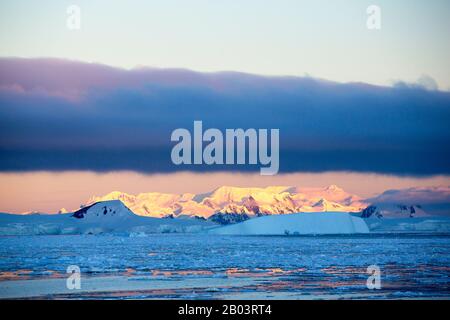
x,y
64,115
422,195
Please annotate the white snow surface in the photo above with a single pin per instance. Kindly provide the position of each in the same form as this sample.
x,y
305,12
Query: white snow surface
x,y
102,217
409,225
297,224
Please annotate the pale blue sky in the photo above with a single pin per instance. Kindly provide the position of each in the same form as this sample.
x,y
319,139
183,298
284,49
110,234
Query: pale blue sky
x,y
325,39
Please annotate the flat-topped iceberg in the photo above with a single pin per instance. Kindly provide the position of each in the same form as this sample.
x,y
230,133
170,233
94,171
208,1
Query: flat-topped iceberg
x,y
297,224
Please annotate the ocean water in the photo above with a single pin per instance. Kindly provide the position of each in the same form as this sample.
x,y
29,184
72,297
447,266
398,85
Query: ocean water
x,y
195,266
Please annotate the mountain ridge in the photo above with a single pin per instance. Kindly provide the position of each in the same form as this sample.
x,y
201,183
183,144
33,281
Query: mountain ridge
x,y
253,201
272,200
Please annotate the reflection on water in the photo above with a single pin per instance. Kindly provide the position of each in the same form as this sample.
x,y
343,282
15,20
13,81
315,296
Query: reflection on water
x,y
29,275
15,275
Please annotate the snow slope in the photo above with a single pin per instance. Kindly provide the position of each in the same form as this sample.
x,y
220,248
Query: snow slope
x,y
101,217
297,224
390,210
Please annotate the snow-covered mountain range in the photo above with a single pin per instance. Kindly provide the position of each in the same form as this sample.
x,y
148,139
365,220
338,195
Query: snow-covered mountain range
x,y
241,201
328,210
229,204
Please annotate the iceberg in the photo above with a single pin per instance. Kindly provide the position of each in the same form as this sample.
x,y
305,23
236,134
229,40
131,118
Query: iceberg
x,y
297,224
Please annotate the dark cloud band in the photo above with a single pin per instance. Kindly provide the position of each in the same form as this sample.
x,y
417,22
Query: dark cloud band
x,y
62,115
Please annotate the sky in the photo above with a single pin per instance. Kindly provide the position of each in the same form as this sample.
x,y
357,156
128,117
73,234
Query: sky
x,y
89,111
50,191
325,39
